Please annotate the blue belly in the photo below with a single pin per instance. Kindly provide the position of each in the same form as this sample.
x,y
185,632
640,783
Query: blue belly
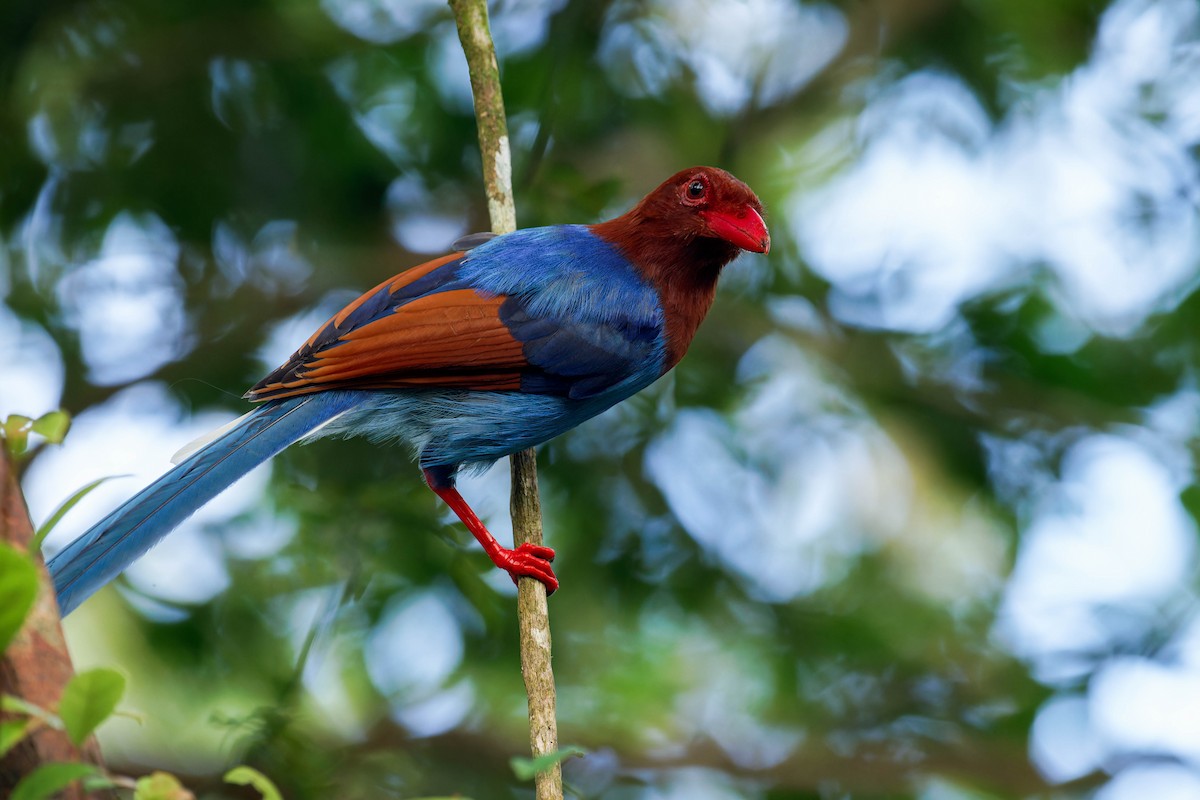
x,y
452,428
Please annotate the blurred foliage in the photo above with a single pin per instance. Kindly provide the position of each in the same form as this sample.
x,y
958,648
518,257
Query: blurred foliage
x,y
15,429
284,154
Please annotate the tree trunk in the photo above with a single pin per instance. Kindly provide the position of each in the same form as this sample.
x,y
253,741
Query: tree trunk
x,y
36,666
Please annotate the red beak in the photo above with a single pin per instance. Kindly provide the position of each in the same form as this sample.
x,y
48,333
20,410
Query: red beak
x,y
745,229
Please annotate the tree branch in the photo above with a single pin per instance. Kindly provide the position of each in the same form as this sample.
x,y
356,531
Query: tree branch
x,y
532,612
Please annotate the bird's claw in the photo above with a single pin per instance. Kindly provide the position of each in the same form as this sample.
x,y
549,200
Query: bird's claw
x,y
529,561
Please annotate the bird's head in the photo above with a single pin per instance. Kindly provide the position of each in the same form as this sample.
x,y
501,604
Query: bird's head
x,y
708,202
680,237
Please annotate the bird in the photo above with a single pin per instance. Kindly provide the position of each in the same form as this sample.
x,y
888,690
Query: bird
x,y
501,345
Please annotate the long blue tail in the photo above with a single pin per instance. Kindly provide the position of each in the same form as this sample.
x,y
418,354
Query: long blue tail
x,y
112,544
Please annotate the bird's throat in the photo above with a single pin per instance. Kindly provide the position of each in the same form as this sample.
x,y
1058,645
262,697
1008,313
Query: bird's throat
x,y
686,293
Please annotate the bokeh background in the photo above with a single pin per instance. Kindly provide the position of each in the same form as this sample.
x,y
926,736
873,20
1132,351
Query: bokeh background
x,y
916,517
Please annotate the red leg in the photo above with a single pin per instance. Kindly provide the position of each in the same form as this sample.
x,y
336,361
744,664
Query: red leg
x,y
528,560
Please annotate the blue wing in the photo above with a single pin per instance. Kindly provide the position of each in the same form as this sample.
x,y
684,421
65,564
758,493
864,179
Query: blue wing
x,y
554,311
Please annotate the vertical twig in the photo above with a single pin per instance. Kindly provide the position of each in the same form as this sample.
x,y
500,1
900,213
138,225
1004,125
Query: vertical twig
x,y
532,612
36,666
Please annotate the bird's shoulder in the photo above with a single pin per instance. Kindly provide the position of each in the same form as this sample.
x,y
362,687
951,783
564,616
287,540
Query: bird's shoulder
x,y
562,271
587,318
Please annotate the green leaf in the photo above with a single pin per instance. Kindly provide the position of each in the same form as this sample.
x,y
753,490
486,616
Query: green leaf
x,y
161,786
52,426
49,779
249,776
60,512
88,700
527,768
15,432
12,731
18,590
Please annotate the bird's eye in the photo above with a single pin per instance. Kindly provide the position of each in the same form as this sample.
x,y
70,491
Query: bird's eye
x,y
694,192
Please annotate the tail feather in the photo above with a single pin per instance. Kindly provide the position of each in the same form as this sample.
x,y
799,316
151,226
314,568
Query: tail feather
x,y
112,544
199,443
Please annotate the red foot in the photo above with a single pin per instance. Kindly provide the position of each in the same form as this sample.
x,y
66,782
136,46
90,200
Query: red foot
x,y
528,561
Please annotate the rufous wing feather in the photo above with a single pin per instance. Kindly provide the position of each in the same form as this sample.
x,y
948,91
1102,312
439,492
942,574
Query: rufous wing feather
x,y
447,337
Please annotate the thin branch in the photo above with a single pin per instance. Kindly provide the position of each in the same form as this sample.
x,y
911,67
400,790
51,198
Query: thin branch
x,y
532,612
472,20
